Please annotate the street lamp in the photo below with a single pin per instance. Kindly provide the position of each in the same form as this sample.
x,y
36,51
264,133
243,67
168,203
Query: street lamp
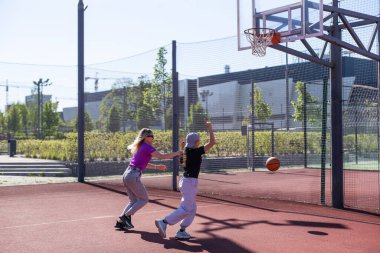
x,y
205,94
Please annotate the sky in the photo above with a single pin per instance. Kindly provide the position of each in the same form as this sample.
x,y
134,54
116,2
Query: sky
x,y
44,32
39,39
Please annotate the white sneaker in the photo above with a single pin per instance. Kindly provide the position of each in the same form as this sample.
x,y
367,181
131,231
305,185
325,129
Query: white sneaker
x,y
182,235
161,225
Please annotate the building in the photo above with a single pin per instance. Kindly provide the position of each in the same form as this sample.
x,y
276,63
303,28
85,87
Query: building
x,y
92,106
226,97
33,99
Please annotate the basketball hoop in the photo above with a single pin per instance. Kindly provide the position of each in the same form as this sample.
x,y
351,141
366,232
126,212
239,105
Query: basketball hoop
x,y
260,38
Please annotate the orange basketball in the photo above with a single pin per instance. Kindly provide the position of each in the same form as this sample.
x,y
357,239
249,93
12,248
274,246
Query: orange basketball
x,y
272,163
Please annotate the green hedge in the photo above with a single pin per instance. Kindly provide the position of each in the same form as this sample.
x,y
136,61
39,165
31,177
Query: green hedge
x,y
113,146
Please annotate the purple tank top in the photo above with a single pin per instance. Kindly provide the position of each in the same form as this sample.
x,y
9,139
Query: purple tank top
x,y
142,157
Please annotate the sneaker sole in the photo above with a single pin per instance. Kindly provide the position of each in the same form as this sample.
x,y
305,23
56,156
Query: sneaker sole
x,y
160,231
182,239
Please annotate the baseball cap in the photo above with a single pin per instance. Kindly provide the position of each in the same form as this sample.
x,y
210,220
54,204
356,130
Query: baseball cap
x,y
191,139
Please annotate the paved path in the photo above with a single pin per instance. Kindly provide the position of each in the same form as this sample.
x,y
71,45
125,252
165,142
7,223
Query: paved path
x,y
23,159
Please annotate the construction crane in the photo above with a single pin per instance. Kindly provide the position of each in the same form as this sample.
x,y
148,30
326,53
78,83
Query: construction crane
x,y
7,85
96,80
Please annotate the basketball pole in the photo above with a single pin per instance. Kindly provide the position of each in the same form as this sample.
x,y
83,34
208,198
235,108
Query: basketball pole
x,y
336,116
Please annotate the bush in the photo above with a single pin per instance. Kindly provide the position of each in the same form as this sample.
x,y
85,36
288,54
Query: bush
x,y
113,146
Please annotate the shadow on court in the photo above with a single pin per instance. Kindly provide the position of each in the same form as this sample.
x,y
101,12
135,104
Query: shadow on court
x,y
213,245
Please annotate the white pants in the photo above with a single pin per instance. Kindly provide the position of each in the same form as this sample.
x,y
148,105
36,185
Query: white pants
x,y
188,207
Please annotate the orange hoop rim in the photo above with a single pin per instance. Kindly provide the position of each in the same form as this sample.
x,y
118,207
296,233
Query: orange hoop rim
x,y
265,32
261,38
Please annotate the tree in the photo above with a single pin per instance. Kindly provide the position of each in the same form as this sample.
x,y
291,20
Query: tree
x,y
13,119
138,112
157,97
169,117
144,117
114,119
107,103
51,118
313,110
88,123
3,127
197,119
120,90
24,114
262,109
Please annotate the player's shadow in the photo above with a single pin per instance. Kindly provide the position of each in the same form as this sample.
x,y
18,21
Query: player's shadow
x,y
213,245
211,226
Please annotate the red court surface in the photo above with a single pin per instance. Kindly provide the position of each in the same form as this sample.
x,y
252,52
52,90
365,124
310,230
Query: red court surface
x,y
76,217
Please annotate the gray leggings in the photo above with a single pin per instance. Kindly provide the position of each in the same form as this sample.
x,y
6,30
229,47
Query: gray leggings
x,y
138,196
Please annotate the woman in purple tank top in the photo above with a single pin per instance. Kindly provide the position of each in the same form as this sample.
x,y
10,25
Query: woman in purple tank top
x,y
143,151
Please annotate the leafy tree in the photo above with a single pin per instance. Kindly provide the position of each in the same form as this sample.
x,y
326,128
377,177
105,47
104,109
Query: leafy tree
x,y
88,123
118,97
105,107
13,119
120,90
169,117
313,110
114,119
141,114
197,119
24,114
144,117
262,109
157,97
3,127
51,118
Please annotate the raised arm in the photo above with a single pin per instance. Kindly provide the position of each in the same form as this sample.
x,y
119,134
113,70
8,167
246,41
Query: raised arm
x,y
212,141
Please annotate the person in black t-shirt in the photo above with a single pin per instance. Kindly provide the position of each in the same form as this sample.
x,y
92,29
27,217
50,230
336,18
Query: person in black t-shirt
x,y
188,185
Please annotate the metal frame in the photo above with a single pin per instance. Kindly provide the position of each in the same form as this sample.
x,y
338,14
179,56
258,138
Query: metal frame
x,y
359,48
334,39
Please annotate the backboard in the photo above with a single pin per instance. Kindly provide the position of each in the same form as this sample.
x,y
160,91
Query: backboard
x,y
294,19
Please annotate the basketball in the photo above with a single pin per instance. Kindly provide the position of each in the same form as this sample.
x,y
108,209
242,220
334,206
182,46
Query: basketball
x,y
272,163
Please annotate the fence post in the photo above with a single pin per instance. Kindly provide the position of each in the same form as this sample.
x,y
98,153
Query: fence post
x,y
81,170
175,118
305,124
253,124
323,141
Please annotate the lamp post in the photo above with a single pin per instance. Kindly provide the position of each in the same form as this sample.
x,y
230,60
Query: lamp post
x,y
205,94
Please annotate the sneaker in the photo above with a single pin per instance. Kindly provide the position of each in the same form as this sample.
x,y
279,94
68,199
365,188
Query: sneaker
x,y
182,235
127,222
119,225
161,225
129,218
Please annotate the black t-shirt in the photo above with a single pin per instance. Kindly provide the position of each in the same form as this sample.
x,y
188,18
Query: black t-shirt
x,y
193,161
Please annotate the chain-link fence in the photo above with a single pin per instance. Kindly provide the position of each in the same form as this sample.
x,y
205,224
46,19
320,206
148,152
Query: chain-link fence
x,y
278,105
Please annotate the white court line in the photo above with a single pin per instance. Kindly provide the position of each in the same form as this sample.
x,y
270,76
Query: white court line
x,y
91,218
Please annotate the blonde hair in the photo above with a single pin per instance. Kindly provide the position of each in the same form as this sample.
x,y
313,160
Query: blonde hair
x,y
136,144
183,158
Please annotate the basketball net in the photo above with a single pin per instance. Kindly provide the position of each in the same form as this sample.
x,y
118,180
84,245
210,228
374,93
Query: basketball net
x,y
260,38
